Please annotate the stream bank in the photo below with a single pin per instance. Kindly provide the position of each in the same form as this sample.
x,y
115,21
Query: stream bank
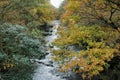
x,y
47,68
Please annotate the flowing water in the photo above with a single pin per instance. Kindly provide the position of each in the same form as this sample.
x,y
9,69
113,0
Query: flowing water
x,y
46,69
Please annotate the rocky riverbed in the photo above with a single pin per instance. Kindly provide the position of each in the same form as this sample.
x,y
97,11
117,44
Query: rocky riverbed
x,y
47,68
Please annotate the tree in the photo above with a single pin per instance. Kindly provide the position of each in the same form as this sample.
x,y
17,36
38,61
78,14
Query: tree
x,y
92,49
105,12
89,42
17,47
26,11
20,40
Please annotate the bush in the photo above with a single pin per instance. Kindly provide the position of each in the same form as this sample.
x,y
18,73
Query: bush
x,y
96,48
17,47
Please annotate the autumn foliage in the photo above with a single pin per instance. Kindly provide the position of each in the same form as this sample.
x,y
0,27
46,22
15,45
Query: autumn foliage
x,y
26,12
89,12
90,38
20,38
94,53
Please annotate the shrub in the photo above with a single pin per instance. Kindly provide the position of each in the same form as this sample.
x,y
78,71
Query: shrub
x,y
96,44
17,47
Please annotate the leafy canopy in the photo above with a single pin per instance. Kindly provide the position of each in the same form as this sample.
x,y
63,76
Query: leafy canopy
x,y
94,45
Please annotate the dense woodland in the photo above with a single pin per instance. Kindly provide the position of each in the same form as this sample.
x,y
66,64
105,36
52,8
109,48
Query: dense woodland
x,y
90,27
21,25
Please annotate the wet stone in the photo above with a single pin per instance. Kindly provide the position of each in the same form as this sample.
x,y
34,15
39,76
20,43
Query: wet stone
x,y
46,67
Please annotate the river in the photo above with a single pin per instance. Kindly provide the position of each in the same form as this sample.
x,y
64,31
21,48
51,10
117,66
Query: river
x,y
46,69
